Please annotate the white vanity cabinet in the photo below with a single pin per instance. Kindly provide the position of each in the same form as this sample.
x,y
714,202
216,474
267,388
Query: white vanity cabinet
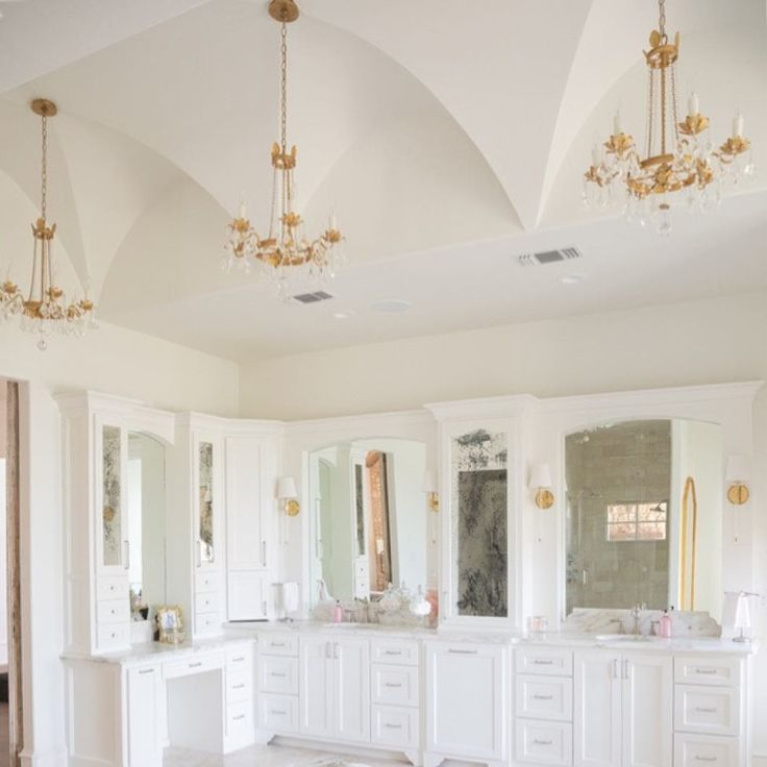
x,y
623,712
467,711
143,716
334,684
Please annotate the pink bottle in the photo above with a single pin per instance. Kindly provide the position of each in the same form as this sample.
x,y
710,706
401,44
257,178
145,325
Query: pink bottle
x,y
338,613
664,626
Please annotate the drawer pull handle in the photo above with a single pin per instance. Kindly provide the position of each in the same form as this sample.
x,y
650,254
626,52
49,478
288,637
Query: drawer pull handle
x,y
543,662
277,674
238,718
453,651
395,685
705,710
279,713
393,726
238,687
238,660
278,644
539,742
146,671
706,671
394,653
543,697
195,665
699,758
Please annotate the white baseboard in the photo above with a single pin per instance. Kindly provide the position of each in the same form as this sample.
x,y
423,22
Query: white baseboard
x,y
49,759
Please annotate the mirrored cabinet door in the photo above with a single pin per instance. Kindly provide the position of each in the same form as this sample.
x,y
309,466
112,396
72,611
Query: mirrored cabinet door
x,y
208,486
114,526
478,536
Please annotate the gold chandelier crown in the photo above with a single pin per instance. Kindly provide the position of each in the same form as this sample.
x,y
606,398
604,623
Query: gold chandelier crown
x,y
286,250
678,156
44,309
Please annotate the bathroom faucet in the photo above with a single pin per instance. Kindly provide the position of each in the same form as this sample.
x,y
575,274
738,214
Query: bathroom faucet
x,y
636,614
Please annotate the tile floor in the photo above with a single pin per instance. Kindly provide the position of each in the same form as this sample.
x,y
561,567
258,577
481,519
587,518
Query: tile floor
x,y
269,756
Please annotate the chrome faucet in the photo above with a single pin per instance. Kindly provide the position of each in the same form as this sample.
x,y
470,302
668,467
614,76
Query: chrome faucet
x,y
636,614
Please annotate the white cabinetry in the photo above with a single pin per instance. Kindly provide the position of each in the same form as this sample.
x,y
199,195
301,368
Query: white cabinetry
x,y
143,716
335,688
278,683
466,702
623,709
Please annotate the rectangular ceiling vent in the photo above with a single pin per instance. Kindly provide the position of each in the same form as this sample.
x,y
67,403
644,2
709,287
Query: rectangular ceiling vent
x,y
549,257
312,298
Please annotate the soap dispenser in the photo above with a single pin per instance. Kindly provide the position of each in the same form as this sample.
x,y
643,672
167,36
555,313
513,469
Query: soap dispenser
x,y
664,626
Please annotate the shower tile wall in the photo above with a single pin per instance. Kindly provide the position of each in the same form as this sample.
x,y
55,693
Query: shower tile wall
x,y
623,463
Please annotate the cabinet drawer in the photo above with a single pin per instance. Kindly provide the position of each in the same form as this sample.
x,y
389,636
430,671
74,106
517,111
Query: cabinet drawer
x,y
720,672
398,653
193,665
544,697
207,624
707,710
550,661
278,644
394,685
544,743
112,588
395,727
278,713
206,583
239,687
113,637
239,660
240,724
206,603
278,675
113,611
706,751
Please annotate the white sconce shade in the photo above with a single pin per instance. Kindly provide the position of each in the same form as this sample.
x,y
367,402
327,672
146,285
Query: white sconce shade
x,y
286,492
736,477
540,476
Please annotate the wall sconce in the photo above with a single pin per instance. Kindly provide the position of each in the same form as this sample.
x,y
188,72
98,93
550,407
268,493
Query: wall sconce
x,y
736,478
431,490
288,496
540,481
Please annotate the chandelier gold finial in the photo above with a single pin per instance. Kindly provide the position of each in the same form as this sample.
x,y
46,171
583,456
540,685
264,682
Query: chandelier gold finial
x,y
285,251
44,309
677,157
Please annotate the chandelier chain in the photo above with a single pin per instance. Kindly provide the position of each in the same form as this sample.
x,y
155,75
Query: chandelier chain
x,y
284,88
662,20
44,170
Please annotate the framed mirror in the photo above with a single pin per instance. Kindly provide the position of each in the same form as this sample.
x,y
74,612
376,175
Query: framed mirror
x,y
112,532
644,516
369,525
146,495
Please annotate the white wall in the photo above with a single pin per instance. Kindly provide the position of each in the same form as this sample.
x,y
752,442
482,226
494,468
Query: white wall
x,y
716,340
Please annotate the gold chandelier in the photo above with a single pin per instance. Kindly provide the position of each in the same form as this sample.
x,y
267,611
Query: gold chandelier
x,y
286,251
44,309
679,156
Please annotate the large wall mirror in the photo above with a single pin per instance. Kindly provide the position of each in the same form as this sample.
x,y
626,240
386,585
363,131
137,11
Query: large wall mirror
x,y
369,526
644,516
146,496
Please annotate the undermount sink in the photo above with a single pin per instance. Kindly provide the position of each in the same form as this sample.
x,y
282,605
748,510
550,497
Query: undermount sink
x,y
622,638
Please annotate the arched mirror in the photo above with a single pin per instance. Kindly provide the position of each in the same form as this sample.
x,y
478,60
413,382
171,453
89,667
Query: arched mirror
x,y
644,516
369,526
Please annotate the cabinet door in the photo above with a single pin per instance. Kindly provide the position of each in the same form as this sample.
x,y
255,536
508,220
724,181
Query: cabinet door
x,y
207,493
648,687
248,595
466,704
111,507
351,693
597,710
315,686
143,712
246,515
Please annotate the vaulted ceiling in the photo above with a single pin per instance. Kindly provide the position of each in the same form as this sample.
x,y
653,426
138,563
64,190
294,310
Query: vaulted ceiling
x,y
448,135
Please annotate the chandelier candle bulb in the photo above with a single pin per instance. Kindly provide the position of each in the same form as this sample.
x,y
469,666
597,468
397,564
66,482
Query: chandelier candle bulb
x,y
617,124
693,106
738,125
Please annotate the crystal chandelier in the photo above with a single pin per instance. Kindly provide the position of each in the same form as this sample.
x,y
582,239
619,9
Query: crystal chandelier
x,y
44,309
286,251
679,156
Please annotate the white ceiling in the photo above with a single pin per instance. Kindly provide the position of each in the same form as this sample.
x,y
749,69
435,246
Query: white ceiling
x,y
449,136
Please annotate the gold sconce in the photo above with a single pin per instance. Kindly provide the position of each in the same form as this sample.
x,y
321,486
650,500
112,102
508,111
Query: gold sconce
x,y
540,482
736,478
288,496
431,489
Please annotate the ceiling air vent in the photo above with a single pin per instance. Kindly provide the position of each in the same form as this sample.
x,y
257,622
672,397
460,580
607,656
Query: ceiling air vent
x,y
546,257
312,298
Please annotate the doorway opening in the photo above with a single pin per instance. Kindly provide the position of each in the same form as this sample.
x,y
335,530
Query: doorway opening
x,y
10,584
